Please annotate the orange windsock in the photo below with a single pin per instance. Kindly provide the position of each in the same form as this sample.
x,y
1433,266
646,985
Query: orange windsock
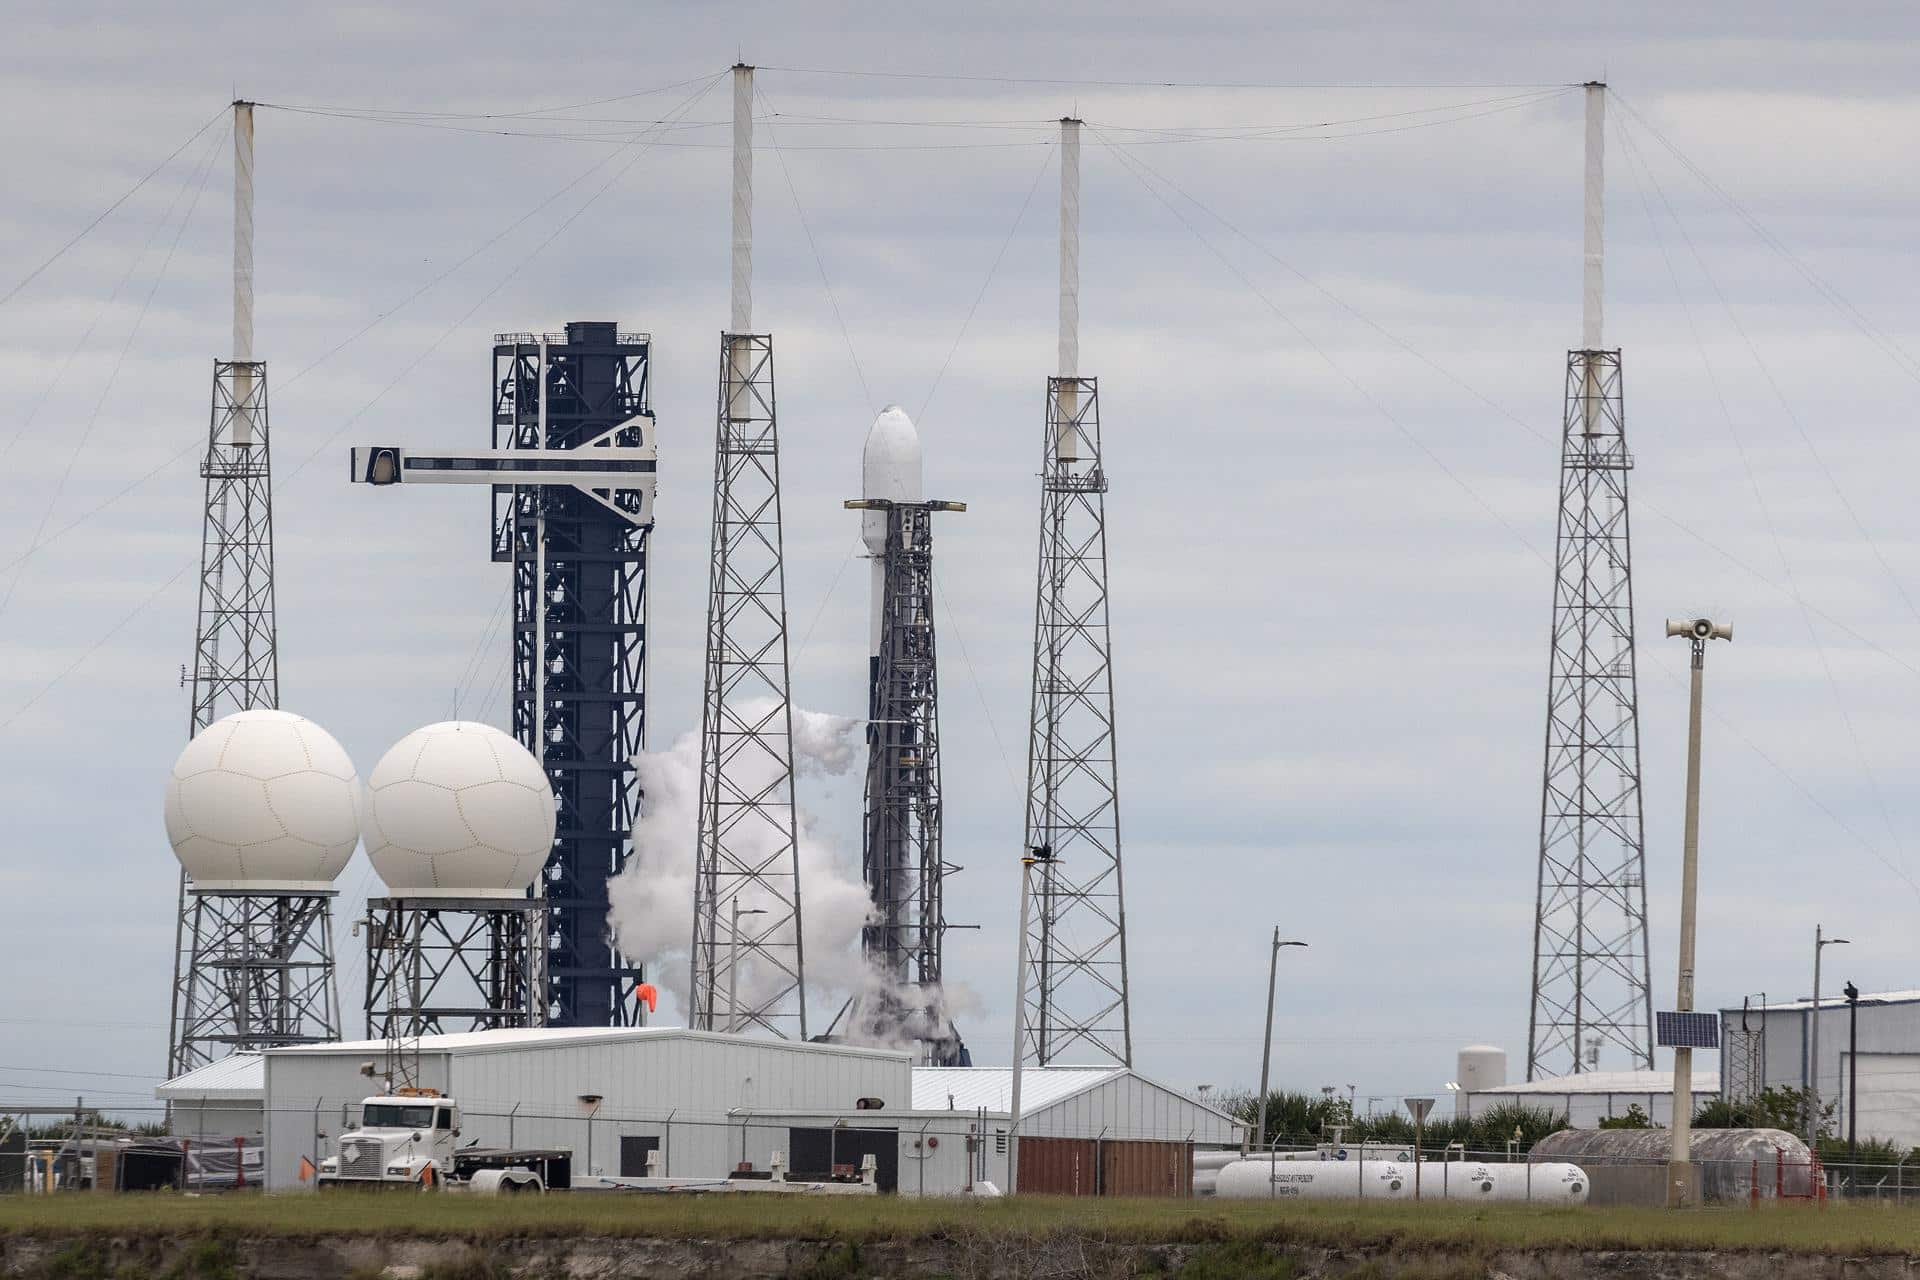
x,y
649,995
306,1168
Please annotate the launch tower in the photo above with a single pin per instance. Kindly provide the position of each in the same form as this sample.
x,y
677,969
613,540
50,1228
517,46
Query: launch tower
x,y
902,858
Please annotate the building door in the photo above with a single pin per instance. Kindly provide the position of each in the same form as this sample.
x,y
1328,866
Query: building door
x,y
1146,1169
813,1153
633,1154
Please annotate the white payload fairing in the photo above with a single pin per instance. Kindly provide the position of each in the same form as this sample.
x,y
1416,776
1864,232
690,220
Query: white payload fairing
x,y
890,470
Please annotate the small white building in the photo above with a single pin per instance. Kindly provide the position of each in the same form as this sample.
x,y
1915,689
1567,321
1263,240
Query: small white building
x,y
1771,1046
1592,1096
1084,1130
219,1102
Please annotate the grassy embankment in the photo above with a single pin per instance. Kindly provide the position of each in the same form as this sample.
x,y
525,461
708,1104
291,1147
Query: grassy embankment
x,y
1849,1229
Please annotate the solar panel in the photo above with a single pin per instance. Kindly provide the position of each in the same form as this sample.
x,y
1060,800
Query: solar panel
x,y
1674,1030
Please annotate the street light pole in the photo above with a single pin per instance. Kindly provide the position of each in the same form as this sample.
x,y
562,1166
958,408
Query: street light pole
x,y
1680,1161
1820,943
733,962
1266,1053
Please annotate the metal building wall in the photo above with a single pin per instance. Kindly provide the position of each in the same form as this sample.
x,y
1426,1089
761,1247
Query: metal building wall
x,y
1886,1031
307,1096
199,1120
696,1073
1129,1107
692,1090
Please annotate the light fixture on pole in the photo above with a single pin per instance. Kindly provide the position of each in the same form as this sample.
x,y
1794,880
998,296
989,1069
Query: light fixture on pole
x,y
1820,943
1680,1192
733,962
1266,1053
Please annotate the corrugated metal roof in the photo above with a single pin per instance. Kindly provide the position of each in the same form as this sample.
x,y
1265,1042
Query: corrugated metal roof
x,y
1830,1001
1607,1082
535,1037
992,1087
239,1078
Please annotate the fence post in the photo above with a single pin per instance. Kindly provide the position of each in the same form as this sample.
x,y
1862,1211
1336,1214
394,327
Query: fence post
x,y
1753,1186
239,1163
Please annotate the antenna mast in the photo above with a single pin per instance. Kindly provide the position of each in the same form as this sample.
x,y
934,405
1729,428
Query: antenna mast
x,y
746,900
1591,970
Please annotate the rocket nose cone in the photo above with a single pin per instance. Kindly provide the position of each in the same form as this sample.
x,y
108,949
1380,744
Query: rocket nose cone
x,y
890,463
890,469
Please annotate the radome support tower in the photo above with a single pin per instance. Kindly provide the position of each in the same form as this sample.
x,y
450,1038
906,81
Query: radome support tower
x,y
1591,971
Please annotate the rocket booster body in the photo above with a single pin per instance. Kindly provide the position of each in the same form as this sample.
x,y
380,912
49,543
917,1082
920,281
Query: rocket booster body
x,y
889,469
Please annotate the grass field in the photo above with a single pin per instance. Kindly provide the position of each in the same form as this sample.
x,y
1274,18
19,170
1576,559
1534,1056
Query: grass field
x,y
1835,1229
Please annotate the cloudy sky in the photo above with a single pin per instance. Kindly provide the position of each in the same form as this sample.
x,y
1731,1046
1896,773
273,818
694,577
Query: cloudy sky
x,y
1330,356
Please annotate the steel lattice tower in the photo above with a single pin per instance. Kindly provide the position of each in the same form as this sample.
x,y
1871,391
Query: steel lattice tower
x,y
251,969
1076,1009
579,562
901,853
1591,969
748,961
454,964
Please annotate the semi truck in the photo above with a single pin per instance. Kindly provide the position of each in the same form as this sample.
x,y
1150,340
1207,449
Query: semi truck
x,y
410,1138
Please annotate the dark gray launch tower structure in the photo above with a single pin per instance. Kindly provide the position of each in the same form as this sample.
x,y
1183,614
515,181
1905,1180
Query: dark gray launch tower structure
x,y
902,855
579,558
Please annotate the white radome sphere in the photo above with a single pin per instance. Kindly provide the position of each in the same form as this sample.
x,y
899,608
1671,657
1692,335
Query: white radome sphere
x,y
458,810
263,801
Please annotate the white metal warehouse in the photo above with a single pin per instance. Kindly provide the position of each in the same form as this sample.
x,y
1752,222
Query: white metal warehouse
x,y
1592,1096
705,1101
1771,1046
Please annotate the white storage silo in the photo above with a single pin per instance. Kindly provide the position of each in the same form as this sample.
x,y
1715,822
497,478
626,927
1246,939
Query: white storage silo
x,y
1478,1067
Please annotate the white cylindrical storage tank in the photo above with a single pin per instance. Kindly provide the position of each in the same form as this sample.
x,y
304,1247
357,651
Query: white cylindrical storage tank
x,y
1314,1180
1480,1067
458,810
1544,1183
265,802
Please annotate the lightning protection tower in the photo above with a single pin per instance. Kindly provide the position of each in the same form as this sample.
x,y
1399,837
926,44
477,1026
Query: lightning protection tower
x,y
1591,970
252,968
748,969
902,858
1076,1009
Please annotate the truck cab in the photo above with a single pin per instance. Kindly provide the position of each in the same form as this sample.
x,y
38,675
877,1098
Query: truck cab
x,y
407,1136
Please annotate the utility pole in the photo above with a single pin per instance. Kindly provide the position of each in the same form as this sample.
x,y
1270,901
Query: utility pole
x,y
1820,943
1853,1068
1266,1052
1680,1189
1591,970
